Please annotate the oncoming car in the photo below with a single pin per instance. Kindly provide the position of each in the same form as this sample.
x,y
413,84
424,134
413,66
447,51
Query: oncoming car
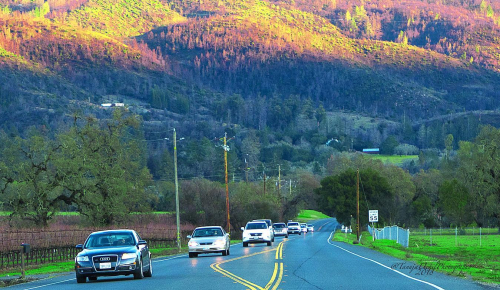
x,y
310,228
293,228
303,227
113,253
280,229
208,240
256,232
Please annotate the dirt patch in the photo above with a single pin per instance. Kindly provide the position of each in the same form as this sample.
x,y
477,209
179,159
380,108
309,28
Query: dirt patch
x,y
5,282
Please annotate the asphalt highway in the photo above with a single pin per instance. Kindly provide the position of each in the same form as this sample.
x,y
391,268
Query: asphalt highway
x,y
308,261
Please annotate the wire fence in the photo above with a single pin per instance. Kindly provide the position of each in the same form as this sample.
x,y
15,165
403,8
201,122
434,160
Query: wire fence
x,y
458,237
469,231
395,233
446,237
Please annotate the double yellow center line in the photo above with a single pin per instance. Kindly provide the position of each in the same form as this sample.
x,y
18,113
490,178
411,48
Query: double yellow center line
x,y
273,283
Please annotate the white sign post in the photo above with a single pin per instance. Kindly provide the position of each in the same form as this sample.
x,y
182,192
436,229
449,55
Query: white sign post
x,y
373,218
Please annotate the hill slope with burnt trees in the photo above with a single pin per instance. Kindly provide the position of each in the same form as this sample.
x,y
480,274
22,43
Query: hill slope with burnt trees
x,y
284,65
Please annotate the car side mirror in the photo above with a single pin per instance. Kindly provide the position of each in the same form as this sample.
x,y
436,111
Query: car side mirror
x,y
242,228
79,246
189,237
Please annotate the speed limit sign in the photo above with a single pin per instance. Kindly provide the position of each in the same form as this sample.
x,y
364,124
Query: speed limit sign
x,y
373,216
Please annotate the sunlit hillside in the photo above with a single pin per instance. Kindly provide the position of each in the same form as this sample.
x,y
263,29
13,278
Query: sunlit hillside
x,y
123,18
256,47
223,60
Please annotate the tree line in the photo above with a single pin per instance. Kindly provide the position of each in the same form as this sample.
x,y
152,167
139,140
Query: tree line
x,y
461,191
102,170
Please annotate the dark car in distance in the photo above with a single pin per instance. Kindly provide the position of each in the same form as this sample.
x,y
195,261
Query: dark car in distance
x,y
113,253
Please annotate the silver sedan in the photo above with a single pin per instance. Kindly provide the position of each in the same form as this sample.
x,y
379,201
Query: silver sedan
x,y
211,239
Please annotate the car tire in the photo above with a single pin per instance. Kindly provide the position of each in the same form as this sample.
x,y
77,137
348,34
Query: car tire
x,y
228,251
269,243
193,255
224,253
81,279
92,278
139,274
286,236
149,272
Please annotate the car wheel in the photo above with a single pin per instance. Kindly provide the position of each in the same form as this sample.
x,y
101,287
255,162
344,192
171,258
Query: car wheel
x,y
92,278
272,240
224,253
138,273
193,255
80,279
286,236
149,272
245,244
269,243
228,251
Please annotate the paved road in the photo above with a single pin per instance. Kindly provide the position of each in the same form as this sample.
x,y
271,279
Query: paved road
x,y
309,261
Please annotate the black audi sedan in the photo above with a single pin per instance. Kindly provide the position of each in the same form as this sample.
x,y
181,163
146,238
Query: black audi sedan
x,y
113,253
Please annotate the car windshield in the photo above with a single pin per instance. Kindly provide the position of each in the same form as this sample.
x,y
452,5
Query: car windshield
x,y
302,226
293,224
310,226
256,226
279,226
268,222
109,239
207,232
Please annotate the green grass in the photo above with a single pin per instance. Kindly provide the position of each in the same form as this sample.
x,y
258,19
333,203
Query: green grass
x,y
58,267
393,159
463,258
307,215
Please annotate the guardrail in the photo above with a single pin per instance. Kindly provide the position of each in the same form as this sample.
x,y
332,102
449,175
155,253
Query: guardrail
x,y
395,233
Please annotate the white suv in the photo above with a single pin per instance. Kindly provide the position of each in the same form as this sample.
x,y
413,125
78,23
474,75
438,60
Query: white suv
x,y
269,225
256,232
294,228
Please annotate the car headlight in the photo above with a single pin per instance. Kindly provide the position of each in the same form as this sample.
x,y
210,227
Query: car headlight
x,y
219,243
82,258
193,244
127,256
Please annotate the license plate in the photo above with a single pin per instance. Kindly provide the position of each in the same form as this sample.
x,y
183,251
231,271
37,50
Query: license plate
x,y
105,266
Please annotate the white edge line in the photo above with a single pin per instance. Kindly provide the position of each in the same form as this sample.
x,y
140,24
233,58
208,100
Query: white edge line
x,y
403,274
171,258
49,284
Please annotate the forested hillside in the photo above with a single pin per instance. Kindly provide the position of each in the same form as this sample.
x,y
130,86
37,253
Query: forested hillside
x,y
295,82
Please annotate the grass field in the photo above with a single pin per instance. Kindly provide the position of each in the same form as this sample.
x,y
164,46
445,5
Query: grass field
x,y
394,159
466,259
308,215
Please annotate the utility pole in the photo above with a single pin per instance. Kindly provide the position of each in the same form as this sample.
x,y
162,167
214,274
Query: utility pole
x,y
226,148
264,183
178,221
279,180
357,206
246,169
279,192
